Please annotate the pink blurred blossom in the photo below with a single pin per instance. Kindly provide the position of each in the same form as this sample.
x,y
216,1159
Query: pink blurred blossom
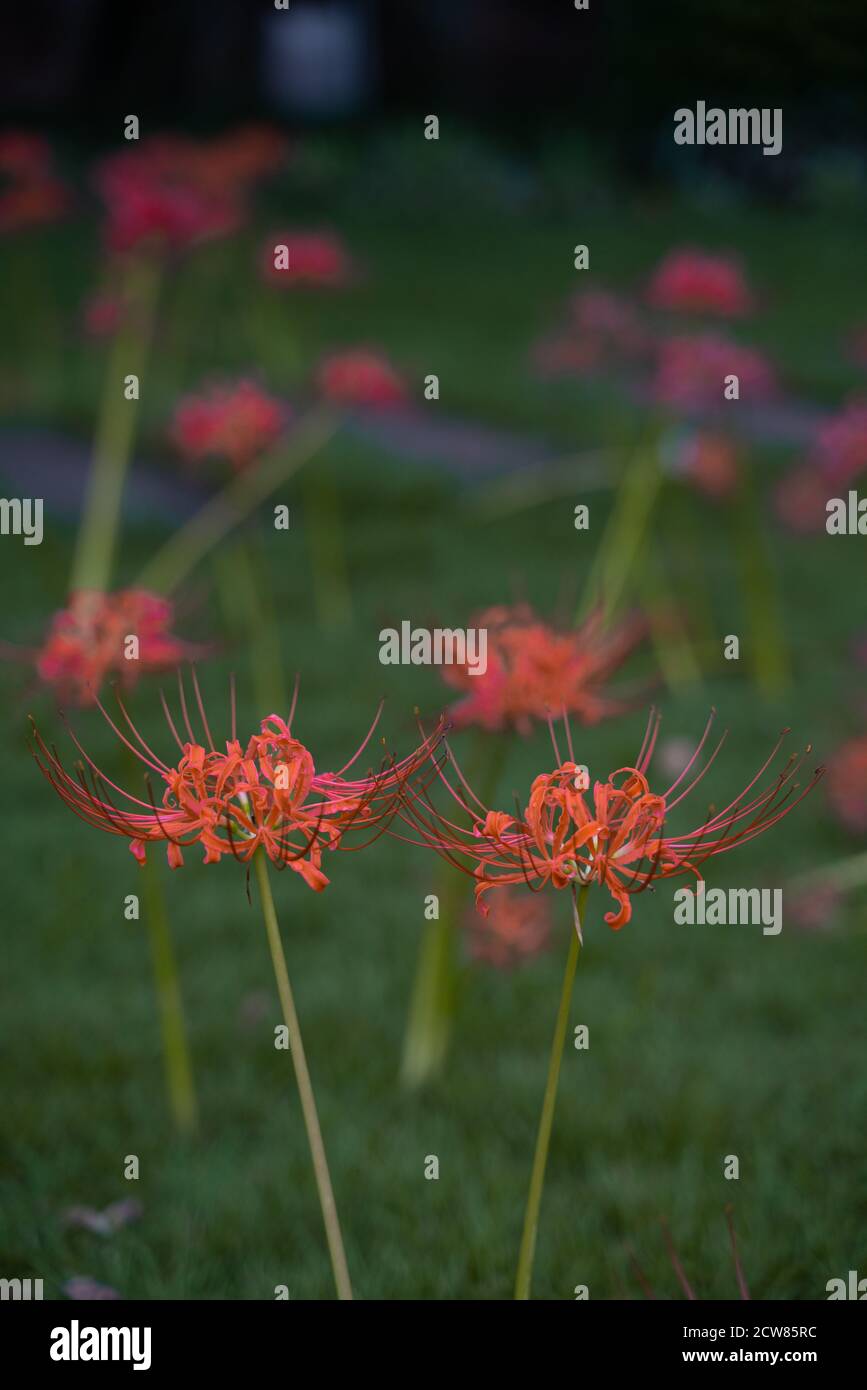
x,y
841,444
517,928
691,371
86,642
30,191
236,422
153,203
361,377
316,259
847,785
695,282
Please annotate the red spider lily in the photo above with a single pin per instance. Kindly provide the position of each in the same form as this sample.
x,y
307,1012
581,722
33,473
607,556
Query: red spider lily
x,y
604,330
847,785
31,193
362,377
534,668
313,259
28,204
841,444
150,205
517,928
611,318
231,162
87,641
691,371
693,282
25,155
235,422
619,840
838,457
266,793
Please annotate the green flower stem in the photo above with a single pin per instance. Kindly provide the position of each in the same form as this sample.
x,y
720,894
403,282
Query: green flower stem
x,y
305,1086
677,659
543,1140
97,534
434,992
624,537
224,511
176,1056
435,988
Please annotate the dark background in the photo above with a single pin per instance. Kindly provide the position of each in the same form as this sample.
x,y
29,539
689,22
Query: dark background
x,y
617,71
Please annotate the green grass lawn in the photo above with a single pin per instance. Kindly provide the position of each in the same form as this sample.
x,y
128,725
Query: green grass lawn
x,y
705,1041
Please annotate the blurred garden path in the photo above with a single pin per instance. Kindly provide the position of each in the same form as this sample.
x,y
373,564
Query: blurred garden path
x,y
52,465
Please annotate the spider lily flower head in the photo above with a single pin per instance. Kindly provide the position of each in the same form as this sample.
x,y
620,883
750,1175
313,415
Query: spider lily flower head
x,y
604,330
361,377
90,639
616,835
152,203
25,155
233,800
847,785
837,459
691,371
692,282
30,192
841,444
294,260
235,160
534,668
236,422
612,320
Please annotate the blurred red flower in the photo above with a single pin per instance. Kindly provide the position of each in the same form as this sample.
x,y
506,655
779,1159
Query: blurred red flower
x,y
360,377
691,371
517,928
293,259
695,282
235,422
87,641
153,200
847,785
605,329
30,191
841,444
535,671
